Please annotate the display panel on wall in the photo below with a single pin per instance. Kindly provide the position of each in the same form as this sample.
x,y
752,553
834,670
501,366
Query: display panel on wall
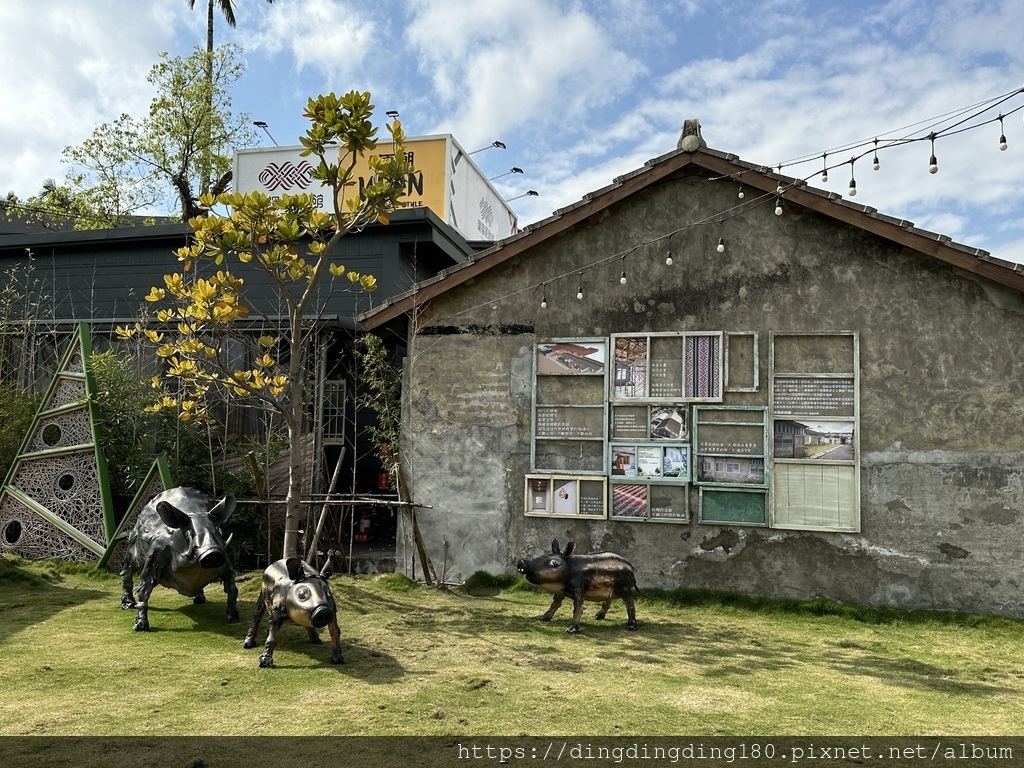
x,y
730,455
684,366
814,400
565,496
570,412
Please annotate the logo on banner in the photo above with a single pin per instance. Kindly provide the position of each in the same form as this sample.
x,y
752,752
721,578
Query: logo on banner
x,y
286,176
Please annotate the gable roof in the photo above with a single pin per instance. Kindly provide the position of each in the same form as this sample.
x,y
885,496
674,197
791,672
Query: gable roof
x,y
713,164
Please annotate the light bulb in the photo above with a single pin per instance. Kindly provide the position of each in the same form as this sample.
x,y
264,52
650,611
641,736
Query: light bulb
x,y
933,165
741,193
824,175
668,258
853,187
543,303
1002,143
875,164
622,279
721,245
778,207
579,294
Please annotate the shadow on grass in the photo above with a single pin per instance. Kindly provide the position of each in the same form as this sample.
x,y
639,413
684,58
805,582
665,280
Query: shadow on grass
x,y
34,591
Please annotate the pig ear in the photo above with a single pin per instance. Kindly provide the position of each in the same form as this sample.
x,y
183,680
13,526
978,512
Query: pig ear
x,y
222,510
569,549
172,516
555,549
295,569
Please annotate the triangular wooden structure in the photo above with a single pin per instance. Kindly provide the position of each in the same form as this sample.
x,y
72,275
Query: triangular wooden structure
x,y
158,479
55,501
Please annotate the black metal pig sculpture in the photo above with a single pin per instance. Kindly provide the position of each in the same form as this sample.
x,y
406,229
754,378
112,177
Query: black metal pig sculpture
x,y
599,577
294,593
177,543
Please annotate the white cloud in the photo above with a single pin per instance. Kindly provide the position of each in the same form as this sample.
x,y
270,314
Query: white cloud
x,y
69,66
334,38
497,65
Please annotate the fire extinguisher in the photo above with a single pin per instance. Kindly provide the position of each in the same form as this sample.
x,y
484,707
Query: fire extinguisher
x,y
362,535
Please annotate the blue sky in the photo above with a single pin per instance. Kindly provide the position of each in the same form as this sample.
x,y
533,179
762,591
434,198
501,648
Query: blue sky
x,y
580,92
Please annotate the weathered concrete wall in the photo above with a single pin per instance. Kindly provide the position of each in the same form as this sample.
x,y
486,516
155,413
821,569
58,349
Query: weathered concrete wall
x,y
941,400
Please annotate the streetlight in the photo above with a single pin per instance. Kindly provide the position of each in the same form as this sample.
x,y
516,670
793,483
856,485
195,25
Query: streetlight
x,y
528,193
263,125
492,145
506,173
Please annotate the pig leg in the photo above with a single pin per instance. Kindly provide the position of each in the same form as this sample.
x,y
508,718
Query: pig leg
x,y
231,590
146,583
267,657
627,598
577,612
336,657
200,598
314,636
257,617
604,609
556,603
127,588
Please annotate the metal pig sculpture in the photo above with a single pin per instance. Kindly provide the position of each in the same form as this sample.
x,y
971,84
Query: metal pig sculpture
x,y
177,542
294,593
600,577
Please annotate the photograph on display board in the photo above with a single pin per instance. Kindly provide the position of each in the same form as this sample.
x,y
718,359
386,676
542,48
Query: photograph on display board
x,y
743,470
624,460
565,497
816,440
629,500
539,499
648,461
701,362
630,367
677,462
571,359
668,423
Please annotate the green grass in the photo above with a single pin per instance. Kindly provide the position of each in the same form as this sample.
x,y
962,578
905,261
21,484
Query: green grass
x,y
475,661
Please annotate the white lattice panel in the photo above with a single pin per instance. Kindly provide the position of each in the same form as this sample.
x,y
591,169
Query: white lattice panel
x,y
62,430
24,533
66,392
68,486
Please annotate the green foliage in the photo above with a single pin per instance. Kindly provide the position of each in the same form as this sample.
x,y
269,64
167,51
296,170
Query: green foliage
x,y
180,150
17,409
383,398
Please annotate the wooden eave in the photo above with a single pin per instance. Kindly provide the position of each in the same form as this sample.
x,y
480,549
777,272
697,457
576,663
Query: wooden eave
x,y
716,164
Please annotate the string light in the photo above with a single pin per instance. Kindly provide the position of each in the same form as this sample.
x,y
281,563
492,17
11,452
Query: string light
x,y
872,146
543,297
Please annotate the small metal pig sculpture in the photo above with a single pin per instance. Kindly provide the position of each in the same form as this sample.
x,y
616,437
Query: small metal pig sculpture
x,y
294,593
177,543
600,577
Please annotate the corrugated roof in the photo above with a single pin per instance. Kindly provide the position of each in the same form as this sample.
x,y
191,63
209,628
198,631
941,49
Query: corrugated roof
x,y
719,164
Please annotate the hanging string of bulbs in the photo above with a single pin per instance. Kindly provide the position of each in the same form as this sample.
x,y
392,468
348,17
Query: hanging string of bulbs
x,y
872,146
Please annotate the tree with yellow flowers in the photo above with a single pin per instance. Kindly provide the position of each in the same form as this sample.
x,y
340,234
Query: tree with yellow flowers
x,y
203,307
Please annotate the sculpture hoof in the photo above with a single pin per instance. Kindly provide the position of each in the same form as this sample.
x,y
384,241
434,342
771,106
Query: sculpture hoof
x,y
337,658
571,630
141,626
232,618
249,642
266,662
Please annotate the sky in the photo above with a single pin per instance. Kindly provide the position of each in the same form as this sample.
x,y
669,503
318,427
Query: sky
x,y
579,92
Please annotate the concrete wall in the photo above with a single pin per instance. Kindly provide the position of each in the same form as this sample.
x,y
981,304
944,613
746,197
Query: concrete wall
x,y
941,401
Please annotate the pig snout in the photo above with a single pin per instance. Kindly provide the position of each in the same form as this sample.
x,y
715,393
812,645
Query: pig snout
x,y
214,558
321,616
523,566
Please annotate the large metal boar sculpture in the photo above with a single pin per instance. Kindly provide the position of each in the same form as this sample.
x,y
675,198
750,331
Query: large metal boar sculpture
x,y
294,593
177,543
599,577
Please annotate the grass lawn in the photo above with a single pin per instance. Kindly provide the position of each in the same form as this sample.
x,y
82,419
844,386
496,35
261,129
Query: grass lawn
x,y
474,661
